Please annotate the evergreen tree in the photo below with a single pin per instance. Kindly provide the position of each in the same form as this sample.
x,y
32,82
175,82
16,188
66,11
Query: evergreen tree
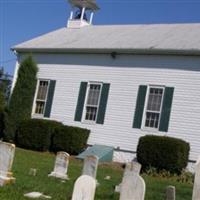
x,y
5,84
21,100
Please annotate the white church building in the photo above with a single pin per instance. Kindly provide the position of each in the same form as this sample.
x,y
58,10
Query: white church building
x,y
120,81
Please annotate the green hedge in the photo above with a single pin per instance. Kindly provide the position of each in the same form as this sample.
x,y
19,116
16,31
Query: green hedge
x,y
44,135
163,152
36,134
73,140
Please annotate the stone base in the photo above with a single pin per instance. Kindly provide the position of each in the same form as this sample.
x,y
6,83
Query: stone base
x,y
6,180
58,175
118,188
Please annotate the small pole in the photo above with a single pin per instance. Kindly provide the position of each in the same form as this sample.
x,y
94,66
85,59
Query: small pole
x,y
82,13
71,15
171,193
91,17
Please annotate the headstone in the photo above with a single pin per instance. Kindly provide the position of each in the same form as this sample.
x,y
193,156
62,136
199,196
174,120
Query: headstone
x,y
130,169
196,189
84,188
61,166
170,193
90,166
32,172
7,152
35,195
132,186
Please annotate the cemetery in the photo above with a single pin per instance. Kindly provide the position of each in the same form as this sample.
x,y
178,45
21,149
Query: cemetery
x,y
82,178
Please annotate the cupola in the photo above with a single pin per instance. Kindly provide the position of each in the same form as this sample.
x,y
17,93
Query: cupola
x,y
82,12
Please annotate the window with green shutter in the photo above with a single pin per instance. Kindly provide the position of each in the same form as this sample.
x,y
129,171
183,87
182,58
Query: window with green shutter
x,y
153,107
92,102
44,97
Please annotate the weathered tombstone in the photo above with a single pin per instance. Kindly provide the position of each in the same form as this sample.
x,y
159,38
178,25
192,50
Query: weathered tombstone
x,y
84,188
7,152
130,169
133,185
35,195
170,193
196,189
90,166
61,166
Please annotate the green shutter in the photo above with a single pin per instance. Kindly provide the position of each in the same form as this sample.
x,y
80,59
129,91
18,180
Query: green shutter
x,y
103,103
80,102
52,85
166,109
137,122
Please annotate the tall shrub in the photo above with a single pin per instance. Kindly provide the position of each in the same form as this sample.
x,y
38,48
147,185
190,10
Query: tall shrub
x,y
20,104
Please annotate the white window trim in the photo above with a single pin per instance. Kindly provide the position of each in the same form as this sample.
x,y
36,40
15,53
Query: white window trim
x,y
143,127
35,99
83,120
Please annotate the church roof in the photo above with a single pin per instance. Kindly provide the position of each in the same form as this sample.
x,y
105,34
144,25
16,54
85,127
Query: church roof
x,y
141,39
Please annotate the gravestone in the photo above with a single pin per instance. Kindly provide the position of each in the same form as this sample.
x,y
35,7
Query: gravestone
x,y
7,152
132,186
90,166
84,188
196,189
36,195
130,169
170,193
61,166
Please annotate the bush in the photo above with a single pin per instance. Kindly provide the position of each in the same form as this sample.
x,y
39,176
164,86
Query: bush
x,y
36,134
73,140
163,152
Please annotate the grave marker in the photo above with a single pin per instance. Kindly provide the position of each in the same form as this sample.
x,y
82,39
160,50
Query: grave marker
x,y
170,193
90,166
7,152
61,166
130,169
132,186
84,188
196,189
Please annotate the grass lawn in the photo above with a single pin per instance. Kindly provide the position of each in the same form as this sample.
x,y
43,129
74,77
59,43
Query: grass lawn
x,y
44,162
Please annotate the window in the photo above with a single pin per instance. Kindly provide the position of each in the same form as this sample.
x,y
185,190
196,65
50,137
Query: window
x,y
153,107
41,97
92,103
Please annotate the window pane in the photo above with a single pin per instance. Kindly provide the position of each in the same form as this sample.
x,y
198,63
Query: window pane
x,y
39,109
93,95
42,90
154,100
91,113
152,120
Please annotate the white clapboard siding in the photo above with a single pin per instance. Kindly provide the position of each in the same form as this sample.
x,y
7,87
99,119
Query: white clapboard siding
x,y
125,74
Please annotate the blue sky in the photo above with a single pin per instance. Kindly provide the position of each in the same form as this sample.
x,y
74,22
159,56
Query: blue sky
x,y
21,20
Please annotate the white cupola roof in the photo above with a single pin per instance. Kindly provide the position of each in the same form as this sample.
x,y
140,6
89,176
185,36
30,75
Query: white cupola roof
x,y
82,13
